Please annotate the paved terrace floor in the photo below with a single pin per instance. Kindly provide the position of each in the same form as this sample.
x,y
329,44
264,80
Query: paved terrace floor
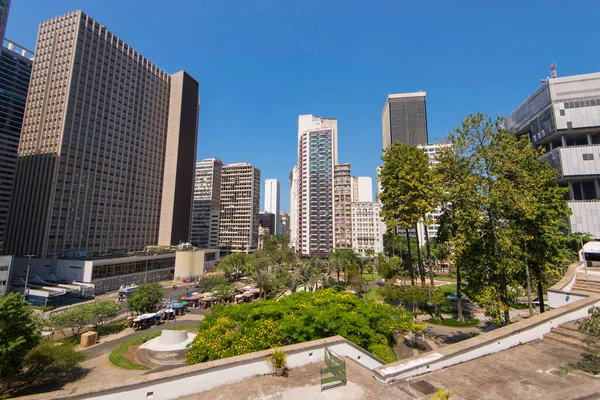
x,y
523,372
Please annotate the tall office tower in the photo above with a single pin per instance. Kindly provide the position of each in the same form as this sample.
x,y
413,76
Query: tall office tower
x,y
180,160
404,119
294,203
285,223
272,202
362,189
207,204
563,116
317,154
15,71
342,206
102,128
4,7
368,228
240,200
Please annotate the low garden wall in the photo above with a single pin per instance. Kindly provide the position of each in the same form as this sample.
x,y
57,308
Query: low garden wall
x,y
503,338
175,383
560,294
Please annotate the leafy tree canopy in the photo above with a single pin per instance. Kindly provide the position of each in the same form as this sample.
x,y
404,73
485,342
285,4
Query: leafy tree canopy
x,y
146,297
300,317
17,334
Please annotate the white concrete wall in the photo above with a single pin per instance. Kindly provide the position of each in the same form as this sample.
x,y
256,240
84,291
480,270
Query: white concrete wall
x,y
479,346
585,217
572,162
227,371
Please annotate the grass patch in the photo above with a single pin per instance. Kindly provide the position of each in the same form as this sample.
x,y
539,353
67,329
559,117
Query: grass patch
x,y
445,278
371,277
453,322
520,306
448,289
373,294
116,356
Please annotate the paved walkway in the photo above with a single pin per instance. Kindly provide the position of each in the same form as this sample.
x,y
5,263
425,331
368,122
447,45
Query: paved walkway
x,y
523,372
108,343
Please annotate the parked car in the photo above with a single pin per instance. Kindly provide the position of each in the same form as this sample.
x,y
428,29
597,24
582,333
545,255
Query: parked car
x,y
454,297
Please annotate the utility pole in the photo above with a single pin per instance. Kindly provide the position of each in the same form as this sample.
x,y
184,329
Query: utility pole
x,y
27,276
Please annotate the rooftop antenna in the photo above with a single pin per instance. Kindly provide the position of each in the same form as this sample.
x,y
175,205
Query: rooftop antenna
x,y
553,70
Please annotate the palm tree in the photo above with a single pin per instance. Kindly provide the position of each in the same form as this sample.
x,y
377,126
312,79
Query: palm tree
x,y
307,273
292,282
338,264
262,279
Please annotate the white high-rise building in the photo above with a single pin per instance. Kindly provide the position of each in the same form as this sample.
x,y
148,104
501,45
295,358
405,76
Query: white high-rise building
x,y
317,155
207,204
294,203
362,189
272,202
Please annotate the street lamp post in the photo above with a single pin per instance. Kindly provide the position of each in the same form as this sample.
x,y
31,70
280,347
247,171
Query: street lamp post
x,y
27,275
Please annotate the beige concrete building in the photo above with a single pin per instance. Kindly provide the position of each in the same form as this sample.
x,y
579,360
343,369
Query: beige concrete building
x,y
193,263
342,202
207,204
103,127
240,201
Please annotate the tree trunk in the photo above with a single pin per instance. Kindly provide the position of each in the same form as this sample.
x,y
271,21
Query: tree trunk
x,y
459,304
436,309
541,296
529,299
410,266
419,261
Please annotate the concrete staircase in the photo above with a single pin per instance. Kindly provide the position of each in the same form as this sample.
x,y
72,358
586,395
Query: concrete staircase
x,y
569,335
587,283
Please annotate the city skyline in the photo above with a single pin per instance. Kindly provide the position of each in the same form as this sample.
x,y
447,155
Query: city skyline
x,y
255,68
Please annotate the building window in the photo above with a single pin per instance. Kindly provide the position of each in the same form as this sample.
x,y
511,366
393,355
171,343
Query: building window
x,y
588,157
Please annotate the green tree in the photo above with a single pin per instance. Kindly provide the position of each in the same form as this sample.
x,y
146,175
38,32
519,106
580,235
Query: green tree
x,y
208,282
408,194
146,298
233,264
17,335
263,280
498,197
297,318
101,311
75,318
50,362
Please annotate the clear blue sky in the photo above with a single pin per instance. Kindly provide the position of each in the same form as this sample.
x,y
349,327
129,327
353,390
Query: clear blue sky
x,y
260,63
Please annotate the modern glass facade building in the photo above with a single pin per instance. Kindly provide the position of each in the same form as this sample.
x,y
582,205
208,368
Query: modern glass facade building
x,y
563,116
317,155
15,71
404,119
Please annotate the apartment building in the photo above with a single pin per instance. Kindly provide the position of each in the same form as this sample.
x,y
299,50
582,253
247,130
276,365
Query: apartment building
x,y
240,201
342,200
207,204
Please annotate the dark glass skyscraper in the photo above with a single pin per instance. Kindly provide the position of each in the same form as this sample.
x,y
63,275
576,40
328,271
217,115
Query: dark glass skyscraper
x,y
404,119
